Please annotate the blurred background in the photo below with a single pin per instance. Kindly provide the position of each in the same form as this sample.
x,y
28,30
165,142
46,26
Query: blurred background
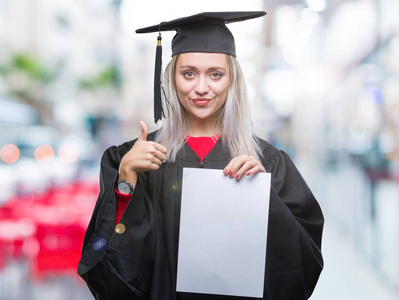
x,y
323,78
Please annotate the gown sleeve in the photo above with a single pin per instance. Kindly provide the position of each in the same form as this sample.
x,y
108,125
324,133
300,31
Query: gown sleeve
x,y
294,259
106,251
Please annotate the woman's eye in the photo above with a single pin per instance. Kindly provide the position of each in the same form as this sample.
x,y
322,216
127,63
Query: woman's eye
x,y
216,75
188,74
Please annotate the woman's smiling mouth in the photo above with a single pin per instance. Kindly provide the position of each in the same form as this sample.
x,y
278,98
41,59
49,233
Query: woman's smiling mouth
x,y
201,101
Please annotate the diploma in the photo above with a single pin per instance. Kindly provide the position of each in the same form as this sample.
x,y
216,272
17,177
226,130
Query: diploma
x,y
223,233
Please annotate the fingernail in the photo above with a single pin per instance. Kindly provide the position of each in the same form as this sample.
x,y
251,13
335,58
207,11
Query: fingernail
x,y
225,171
231,174
237,176
248,173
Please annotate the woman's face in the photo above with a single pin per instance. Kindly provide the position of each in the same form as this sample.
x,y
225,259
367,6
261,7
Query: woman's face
x,y
202,81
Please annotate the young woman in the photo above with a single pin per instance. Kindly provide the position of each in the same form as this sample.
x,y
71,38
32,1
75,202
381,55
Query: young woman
x,y
131,244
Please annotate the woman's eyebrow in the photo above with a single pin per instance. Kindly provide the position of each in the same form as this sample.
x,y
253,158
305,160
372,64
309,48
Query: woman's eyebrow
x,y
210,69
188,67
217,69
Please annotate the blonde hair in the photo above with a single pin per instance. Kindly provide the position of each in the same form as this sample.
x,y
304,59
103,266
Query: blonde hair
x,y
233,119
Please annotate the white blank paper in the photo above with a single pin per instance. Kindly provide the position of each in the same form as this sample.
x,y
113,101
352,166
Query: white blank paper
x,y
223,233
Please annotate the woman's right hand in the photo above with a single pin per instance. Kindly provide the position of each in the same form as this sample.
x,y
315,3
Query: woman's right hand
x,y
144,156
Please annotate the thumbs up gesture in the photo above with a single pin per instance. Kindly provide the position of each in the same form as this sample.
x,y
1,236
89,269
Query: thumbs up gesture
x,y
144,156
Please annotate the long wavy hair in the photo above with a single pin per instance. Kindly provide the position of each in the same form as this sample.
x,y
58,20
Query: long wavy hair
x,y
233,118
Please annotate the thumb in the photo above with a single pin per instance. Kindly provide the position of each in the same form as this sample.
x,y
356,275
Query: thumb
x,y
144,131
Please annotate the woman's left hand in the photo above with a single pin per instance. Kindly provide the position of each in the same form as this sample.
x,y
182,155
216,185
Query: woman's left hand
x,y
243,165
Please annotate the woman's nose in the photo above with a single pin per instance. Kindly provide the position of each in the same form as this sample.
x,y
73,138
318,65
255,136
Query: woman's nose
x,y
202,86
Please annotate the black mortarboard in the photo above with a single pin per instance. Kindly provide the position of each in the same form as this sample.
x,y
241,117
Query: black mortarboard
x,y
204,32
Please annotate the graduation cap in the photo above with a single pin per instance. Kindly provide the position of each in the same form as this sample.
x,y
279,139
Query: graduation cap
x,y
203,32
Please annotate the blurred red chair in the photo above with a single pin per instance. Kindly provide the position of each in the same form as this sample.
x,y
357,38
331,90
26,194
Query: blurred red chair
x,y
59,249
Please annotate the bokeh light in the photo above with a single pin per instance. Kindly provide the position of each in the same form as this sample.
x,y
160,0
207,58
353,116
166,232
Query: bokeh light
x,y
68,153
310,16
44,154
317,5
99,244
9,153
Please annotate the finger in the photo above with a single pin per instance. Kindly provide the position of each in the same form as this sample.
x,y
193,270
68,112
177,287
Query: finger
x,y
248,165
255,170
149,164
160,148
157,161
227,169
154,153
159,155
238,165
144,131
234,166
152,167
153,150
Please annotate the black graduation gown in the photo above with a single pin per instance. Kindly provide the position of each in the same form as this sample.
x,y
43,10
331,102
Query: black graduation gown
x,y
141,262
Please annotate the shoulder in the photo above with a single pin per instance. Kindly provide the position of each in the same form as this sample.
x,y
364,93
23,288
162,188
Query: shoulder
x,y
269,153
272,157
280,165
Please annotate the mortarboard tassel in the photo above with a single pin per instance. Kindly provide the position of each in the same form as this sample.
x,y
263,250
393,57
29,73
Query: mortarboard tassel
x,y
158,109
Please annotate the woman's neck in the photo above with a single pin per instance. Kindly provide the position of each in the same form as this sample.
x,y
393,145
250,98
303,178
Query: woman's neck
x,y
205,128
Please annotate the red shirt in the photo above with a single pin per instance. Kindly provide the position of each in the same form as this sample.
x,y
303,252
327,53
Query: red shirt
x,y
122,200
201,145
